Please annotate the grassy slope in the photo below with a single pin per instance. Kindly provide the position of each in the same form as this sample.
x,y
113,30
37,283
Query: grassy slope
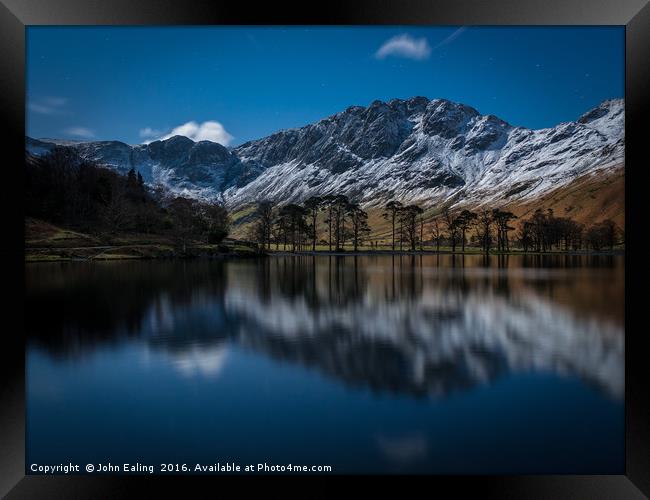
x,y
47,242
41,234
588,199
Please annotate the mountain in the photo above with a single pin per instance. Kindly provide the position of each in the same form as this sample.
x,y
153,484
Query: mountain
x,y
414,150
429,151
197,169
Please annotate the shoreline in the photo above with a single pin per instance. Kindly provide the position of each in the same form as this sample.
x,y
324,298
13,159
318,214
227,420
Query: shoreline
x,y
45,242
130,252
613,253
40,255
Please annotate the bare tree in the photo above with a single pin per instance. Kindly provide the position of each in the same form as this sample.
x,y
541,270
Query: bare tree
x,y
327,204
451,223
409,223
314,205
502,220
359,221
340,211
464,222
525,235
296,227
261,229
436,232
484,230
392,211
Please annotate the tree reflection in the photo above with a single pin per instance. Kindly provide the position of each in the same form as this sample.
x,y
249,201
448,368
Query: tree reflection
x,y
425,326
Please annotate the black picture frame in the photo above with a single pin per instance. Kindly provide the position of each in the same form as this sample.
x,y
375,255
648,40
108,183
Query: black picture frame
x,y
15,15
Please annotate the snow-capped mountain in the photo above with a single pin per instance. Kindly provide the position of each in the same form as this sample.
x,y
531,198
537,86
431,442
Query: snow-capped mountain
x,y
413,150
197,169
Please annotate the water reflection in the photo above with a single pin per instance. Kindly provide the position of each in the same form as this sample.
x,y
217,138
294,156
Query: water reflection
x,y
418,326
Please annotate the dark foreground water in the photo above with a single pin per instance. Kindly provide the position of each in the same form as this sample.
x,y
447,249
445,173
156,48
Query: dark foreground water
x,y
368,364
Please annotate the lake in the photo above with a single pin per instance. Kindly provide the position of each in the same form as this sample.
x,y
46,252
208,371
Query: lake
x,y
370,364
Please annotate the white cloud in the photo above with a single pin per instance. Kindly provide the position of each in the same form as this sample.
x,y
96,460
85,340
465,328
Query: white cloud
x,y
47,105
405,46
206,131
83,132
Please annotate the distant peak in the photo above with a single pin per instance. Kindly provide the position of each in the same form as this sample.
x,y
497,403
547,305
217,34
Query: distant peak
x,y
608,106
354,109
410,100
178,138
615,101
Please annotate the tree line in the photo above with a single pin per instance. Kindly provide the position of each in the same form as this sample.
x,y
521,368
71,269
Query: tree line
x,y
543,231
64,189
295,226
299,227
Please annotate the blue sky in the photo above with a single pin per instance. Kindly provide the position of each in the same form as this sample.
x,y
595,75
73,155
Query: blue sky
x,y
234,84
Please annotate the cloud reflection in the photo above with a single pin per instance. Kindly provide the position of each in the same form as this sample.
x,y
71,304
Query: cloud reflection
x,y
200,360
404,450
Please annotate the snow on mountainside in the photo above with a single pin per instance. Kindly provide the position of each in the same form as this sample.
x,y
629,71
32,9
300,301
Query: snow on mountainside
x,y
414,150
429,151
197,169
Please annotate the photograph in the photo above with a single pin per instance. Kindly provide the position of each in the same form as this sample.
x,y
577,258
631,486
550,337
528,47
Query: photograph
x,y
325,250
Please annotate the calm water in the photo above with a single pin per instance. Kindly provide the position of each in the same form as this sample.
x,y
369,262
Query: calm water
x,y
368,364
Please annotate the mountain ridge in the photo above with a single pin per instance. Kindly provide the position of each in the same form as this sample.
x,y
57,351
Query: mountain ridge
x,y
415,150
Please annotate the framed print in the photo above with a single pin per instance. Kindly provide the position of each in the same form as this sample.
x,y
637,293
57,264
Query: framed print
x,y
382,240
